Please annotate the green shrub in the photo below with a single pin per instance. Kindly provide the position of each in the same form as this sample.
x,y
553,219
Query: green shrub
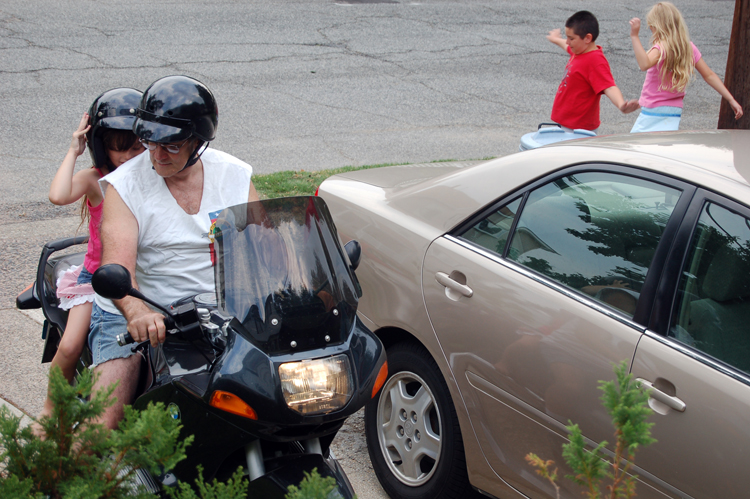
x,y
313,486
234,488
626,402
78,458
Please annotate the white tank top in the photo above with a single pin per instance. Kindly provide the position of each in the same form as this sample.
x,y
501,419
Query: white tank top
x,y
175,255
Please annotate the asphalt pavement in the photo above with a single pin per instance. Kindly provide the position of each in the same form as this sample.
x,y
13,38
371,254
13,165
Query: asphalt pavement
x,y
307,85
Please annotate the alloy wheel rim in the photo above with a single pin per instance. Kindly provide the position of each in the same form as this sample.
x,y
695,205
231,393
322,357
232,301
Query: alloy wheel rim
x,y
409,429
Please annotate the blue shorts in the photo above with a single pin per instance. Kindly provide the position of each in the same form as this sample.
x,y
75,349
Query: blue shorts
x,y
105,327
658,119
84,277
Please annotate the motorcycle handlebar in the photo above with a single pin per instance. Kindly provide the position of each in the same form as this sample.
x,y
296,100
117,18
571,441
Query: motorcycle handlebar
x,y
126,339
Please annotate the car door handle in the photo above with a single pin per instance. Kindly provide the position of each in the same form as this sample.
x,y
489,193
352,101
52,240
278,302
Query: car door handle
x,y
668,400
450,283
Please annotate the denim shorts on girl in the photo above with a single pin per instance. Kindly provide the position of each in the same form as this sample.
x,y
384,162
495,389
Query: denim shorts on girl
x,y
658,119
84,277
105,327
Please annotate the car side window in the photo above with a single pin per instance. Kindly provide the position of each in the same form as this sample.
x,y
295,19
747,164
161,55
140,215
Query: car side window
x,y
492,231
595,232
712,310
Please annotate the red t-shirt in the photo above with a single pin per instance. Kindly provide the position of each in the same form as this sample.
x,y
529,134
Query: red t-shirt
x,y
586,78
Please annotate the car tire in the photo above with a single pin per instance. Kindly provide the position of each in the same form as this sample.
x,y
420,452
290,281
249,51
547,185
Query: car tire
x,y
412,430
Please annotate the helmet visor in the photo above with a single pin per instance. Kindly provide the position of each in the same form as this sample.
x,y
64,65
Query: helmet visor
x,y
154,128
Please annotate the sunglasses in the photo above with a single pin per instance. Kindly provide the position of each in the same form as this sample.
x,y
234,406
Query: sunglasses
x,y
170,148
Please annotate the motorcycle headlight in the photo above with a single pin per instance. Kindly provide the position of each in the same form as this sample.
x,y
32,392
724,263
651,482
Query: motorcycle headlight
x,y
317,386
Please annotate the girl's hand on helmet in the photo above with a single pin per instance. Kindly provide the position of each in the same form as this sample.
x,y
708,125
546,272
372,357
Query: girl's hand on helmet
x,y
78,144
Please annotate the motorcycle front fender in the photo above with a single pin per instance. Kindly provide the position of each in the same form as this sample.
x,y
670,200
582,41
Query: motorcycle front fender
x,y
290,470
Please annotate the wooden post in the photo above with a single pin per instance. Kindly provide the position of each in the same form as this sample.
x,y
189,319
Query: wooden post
x,y
737,76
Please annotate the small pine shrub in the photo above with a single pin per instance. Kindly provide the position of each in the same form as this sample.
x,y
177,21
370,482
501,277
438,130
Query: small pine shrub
x,y
313,486
79,459
626,402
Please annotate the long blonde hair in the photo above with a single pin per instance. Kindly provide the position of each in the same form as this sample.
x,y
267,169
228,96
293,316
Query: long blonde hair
x,y
671,33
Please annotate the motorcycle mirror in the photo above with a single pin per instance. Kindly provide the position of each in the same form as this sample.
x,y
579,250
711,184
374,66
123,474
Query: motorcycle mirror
x,y
112,281
354,252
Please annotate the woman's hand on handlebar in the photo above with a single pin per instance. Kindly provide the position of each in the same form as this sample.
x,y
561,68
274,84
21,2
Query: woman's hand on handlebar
x,y
148,327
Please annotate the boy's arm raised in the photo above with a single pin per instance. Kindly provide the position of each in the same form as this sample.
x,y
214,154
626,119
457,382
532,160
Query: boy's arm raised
x,y
614,94
555,37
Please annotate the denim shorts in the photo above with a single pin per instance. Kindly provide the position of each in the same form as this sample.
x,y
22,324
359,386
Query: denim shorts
x,y
84,277
105,327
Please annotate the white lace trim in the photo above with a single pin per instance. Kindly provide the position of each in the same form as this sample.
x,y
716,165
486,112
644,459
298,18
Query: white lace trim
x,y
68,303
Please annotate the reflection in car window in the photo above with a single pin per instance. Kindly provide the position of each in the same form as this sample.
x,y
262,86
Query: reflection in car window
x,y
595,232
713,303
492,231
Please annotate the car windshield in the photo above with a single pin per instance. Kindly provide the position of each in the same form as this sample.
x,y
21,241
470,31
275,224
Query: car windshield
x,y
281,271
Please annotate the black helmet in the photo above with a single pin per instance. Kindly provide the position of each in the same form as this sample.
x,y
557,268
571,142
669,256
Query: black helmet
x,y
113,110
175,108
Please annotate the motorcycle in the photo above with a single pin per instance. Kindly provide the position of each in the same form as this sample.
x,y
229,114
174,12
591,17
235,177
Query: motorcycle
x,y
265,371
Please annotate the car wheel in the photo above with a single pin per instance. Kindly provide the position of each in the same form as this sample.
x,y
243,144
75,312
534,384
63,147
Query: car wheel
x,y
412,431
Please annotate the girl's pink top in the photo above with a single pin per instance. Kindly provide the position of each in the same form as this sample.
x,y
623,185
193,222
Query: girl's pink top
x,y
651,96
94,251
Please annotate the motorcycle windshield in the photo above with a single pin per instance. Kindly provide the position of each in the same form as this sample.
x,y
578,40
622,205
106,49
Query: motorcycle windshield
x,y
282,273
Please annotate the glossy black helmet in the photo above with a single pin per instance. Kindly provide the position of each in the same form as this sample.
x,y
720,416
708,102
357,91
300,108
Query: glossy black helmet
x,y
176,108
113,110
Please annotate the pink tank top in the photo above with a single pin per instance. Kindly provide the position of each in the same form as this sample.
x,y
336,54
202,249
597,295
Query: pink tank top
x,y
651,96
94,251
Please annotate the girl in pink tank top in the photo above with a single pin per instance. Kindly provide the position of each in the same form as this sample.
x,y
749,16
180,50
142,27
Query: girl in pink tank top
x,y
670,64
108,130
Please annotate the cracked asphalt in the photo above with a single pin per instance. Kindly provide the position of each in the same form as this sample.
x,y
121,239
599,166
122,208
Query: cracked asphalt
x,y
301,85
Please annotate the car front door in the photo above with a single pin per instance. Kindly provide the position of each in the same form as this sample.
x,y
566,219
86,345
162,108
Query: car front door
x,y
534,300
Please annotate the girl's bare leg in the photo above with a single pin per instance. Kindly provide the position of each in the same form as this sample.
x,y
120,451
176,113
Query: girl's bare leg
x,y
71,346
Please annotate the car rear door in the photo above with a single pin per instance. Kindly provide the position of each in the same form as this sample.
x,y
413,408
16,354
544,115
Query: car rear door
x,y
535,299
699,367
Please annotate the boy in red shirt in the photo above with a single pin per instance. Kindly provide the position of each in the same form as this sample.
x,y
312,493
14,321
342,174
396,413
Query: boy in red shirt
x,y
587,76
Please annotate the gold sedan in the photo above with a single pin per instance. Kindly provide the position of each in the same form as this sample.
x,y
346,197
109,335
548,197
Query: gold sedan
x,y
505,291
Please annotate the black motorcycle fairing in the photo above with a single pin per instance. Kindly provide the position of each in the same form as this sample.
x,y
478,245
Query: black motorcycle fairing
x,y
209,448
282,272
251,374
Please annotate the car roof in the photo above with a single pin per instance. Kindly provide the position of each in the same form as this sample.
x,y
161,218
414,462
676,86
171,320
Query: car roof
x,y
444,195
723,152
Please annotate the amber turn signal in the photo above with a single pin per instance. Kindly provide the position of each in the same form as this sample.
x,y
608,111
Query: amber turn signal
x,y
229,402
380,380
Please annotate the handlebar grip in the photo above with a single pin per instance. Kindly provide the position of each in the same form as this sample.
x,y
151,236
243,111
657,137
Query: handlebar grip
x,y
126,339
169,323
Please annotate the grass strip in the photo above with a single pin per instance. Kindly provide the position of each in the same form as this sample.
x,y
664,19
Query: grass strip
x,y
304,183
300,182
